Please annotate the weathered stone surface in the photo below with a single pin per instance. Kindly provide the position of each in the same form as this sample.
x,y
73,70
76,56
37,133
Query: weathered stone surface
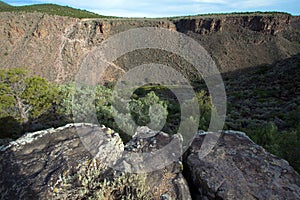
x,y
237,168
40,165
31,165
60,164
166,182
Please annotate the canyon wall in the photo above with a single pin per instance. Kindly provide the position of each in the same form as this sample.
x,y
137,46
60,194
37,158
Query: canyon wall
x,y
54,46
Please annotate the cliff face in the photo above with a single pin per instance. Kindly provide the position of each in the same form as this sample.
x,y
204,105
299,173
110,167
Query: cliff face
x,y
237,42
53,46
264,24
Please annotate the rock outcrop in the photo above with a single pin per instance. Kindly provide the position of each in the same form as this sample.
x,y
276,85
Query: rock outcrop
x,y
31,165
58,164
237,168
268,24
54,46
74,162
168,180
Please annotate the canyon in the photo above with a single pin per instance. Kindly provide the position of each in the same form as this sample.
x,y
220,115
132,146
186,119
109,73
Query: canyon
x,y
54,46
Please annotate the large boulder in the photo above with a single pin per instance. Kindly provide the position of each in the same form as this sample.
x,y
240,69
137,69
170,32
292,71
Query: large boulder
x,y
159,155
79,161
85,161
237,168
31,165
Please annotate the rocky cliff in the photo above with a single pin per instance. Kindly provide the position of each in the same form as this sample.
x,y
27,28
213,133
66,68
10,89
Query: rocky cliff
x,y
54,47
56,164
271,24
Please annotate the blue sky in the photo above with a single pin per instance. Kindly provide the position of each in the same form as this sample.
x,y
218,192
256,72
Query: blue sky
x,y
164,8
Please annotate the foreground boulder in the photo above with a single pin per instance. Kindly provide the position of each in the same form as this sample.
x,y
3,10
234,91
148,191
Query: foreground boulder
x,y
163,165
74,162
85,161
237,168
31,165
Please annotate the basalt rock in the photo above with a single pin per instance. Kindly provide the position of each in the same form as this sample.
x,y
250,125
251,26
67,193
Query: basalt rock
x,y
162,159
78,161
31,165
237,168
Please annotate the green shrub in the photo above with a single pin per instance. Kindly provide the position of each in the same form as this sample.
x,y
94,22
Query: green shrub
x,y
267,137
24,97
148,110
285,144
205,109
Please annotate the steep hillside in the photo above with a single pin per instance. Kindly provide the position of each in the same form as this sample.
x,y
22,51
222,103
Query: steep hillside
x,y
269,93
4,6
51,9
237,42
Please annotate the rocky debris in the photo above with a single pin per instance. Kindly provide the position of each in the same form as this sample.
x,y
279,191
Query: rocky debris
x,y
267,25
147,140
237,168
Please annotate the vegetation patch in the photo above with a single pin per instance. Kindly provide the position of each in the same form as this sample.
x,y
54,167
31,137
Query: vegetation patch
x,y
30,103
